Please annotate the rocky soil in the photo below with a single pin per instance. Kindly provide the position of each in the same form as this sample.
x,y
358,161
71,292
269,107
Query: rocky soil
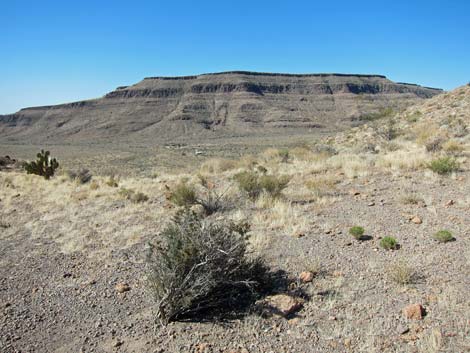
x,y
56,301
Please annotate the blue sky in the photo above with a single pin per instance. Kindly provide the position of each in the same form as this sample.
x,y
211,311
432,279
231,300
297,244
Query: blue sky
x,y
60,51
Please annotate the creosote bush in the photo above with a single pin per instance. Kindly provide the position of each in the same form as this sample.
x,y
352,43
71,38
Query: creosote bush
x,y
444,165
443,236
44,166
254,184
389,243
357,232
197,267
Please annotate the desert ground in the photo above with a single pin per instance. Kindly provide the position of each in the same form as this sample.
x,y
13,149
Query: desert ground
x,y
73,271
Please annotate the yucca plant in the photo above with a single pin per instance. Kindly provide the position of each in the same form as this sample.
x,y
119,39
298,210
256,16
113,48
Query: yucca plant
x,y
44,166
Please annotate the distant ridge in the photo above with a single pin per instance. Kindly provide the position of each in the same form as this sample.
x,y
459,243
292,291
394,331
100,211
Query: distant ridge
x,y
213,105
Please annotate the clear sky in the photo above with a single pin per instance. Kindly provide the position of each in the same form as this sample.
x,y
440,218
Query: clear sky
x,y
60,51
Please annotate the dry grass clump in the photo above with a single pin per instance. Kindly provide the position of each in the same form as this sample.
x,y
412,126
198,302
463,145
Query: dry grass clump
x,y
112,182
218,165
411,198
453,147
403,160
322,185
81,176
197,266
134,197
183,195
401,273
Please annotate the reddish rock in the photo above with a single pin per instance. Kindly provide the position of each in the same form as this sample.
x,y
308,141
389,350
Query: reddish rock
x,y
413,312
416,220
449,203
306,276
122,287
282,304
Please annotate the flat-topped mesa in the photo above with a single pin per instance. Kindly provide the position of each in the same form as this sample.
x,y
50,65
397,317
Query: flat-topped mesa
x,y
218,104
254,73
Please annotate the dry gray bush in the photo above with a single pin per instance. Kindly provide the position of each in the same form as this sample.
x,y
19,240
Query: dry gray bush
x,y
202,266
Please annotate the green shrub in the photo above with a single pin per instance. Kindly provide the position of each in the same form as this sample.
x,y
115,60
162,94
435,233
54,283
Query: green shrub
x,y
254,184
357,232
444,165
183,195
44,166
389,243
443,236
200,265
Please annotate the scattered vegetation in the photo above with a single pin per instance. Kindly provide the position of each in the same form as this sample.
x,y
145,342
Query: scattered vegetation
x,y
134,197
401,273
443,236
357,232
254,184
200,266
389,243
444,165
44,166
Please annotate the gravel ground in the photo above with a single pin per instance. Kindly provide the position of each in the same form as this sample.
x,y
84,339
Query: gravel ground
x,y
53,301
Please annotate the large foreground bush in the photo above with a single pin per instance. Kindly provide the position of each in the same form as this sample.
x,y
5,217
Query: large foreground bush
x,y
200,266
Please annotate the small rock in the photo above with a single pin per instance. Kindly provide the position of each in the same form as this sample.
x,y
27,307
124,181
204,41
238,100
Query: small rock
x,y
414,312
298,234
118,343
337,274
306,276
347,342
416,220
332,318
282,304
122,287
402,329
370,204
354,192
449,203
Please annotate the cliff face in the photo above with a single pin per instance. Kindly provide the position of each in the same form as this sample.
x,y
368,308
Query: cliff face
x,y
241,103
